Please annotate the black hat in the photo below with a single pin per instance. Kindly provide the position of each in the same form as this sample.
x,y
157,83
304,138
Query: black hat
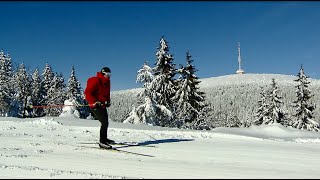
x,y
105,70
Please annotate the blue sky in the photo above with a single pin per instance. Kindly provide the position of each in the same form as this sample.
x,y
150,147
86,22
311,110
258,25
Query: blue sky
x,y
275,37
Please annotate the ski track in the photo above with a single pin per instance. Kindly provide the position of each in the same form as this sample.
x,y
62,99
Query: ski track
x,y
32,142
54,173
38,145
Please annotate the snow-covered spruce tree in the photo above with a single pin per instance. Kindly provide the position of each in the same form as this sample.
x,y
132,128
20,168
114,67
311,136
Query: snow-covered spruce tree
x,y
22,86
262,109
146,112
46,81
189,101
56,95
6,92
274,112
145,76
36,89
162,87
304,109
73,87
74,94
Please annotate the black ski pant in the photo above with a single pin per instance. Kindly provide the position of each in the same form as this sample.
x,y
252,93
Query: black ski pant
x,y
102,115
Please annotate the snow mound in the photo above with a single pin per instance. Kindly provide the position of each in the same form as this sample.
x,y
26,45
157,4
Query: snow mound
x,y
45,122
273,132
307,140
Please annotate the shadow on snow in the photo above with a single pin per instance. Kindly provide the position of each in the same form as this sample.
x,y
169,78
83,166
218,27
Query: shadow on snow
x,y
160,141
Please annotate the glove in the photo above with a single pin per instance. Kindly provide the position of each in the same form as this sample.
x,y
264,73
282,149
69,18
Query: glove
x,y
108,103
97,104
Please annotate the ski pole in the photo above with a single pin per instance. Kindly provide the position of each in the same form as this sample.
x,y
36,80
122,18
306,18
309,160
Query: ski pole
x,y
55,106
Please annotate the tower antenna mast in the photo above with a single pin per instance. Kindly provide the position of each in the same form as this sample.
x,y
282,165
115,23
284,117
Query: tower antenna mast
x,y
239,71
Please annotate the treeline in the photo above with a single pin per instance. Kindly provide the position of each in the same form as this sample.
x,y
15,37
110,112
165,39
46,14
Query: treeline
x,y
26,93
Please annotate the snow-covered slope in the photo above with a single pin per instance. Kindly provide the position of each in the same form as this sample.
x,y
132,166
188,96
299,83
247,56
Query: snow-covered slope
x,y
58,148
236,79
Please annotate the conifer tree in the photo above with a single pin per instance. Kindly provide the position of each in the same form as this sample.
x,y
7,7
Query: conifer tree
x,y
145,76
75,94
275,113
262,109
162,87
164,71
146,112
56,95
6,92
74,87
36,90
46,81
188,99
22,89
304,109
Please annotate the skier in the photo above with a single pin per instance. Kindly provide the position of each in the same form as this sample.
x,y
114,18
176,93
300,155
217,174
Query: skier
x,y
97,93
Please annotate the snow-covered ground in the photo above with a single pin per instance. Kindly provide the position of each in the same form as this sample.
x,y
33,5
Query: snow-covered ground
x,y
54,148
236,79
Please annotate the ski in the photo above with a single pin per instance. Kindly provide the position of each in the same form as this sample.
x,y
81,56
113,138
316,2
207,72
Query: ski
x,y
124,144
117,150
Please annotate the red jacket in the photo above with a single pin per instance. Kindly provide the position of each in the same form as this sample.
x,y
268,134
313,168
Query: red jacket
x,y
98,89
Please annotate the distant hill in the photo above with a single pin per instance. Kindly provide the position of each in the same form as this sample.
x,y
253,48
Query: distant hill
x,y
232,97
234,79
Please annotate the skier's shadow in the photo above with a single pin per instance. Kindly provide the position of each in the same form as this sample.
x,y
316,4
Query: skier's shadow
x,y
160,141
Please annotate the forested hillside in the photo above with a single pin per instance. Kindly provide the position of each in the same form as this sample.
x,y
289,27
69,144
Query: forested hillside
x,y
233,98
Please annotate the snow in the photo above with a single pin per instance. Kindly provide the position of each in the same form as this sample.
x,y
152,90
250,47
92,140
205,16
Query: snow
x,y
49,147
235,79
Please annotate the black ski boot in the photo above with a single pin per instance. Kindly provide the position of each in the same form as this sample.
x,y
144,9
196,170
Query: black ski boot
x,y
109,141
